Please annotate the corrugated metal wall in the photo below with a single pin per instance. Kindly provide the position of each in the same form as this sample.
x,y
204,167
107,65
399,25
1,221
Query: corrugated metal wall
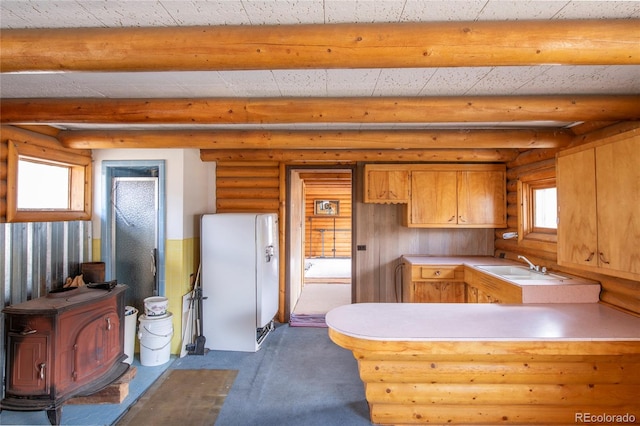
x,y
38,257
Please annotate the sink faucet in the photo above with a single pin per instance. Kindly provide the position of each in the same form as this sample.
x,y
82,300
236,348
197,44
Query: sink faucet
x,y
531,265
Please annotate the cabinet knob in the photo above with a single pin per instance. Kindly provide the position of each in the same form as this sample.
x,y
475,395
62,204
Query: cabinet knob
x,y
588,259
603,259
42,367
108,323
452,219
436,273
29,331
462,219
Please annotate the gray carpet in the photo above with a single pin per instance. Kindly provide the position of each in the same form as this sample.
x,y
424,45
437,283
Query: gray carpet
x,y
298,378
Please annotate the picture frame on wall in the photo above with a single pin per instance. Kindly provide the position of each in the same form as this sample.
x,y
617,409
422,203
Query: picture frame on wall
x,y
326,207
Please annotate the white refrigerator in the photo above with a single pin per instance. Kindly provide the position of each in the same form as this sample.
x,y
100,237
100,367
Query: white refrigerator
x,y
239,276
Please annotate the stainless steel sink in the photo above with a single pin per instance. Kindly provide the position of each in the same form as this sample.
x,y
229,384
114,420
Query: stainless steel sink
x,y
518,273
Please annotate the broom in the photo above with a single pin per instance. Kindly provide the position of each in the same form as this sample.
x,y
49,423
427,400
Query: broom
x,y
200,339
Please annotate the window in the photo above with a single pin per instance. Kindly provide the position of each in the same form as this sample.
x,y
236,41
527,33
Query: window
x,y
43,185
545,209
46,184
537,198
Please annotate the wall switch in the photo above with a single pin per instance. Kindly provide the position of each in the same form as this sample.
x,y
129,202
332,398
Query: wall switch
x,y
361,248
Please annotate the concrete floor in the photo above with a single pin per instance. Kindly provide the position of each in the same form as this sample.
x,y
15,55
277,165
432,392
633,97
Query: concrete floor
x,y
93,415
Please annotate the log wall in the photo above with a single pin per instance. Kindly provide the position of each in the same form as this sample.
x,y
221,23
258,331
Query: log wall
x,y
247,187
618,292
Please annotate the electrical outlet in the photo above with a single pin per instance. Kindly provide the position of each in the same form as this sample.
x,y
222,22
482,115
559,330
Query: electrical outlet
x,y
361,248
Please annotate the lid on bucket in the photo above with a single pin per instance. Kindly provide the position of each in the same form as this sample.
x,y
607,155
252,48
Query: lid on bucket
x,y
144,317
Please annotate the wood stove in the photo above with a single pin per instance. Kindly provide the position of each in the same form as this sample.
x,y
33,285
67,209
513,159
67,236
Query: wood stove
x,y
62,345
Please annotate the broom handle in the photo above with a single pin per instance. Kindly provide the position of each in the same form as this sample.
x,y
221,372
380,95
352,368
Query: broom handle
x,y
198,287
197,294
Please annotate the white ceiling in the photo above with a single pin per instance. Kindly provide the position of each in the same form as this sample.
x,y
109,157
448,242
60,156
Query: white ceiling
x,y
478,81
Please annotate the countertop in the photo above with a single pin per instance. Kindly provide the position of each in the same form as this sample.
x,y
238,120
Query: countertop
x,y
458,260
484,322
570,290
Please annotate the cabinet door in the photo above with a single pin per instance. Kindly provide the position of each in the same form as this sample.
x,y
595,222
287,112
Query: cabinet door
x,y
452,292
472,294
426,292
387,186
433,198
438,292
29,372
618,205
482,198
96,346
577,225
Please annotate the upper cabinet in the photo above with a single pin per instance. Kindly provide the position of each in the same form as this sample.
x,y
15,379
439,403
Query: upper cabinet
x,y
599,212
386,184
457,196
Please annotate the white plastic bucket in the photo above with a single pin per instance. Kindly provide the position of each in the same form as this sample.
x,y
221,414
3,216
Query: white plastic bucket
x,y
130,319
155,306
155,339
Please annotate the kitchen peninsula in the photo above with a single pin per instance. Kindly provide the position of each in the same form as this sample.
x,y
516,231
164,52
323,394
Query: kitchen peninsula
x,y
453,363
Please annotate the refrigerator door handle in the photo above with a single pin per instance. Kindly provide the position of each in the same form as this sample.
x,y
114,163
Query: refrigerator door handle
x,y
269,252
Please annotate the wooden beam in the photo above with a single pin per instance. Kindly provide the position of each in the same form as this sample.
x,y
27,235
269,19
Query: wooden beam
x,y
321,110
374,139
351,156
378,45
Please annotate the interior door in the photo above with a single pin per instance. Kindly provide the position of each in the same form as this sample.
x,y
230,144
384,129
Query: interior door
x,y
134,236
296,245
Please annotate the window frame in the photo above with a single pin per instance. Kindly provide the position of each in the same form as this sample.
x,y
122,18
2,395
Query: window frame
x,y
527,184
79,188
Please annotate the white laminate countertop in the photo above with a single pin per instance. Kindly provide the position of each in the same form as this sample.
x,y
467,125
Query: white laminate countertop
x,y
484,322
571,289
457,260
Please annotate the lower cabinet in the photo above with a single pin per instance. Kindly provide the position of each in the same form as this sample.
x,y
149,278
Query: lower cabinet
x,y
434,284
451,284
486,289
478,295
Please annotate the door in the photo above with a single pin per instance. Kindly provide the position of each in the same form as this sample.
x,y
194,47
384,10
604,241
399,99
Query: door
x,y
618,206
296,239
133,242
434,199
577,226
267,263
319,250
481,198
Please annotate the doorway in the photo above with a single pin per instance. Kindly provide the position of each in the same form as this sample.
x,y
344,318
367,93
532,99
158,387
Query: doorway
x,y
133,228
320,212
